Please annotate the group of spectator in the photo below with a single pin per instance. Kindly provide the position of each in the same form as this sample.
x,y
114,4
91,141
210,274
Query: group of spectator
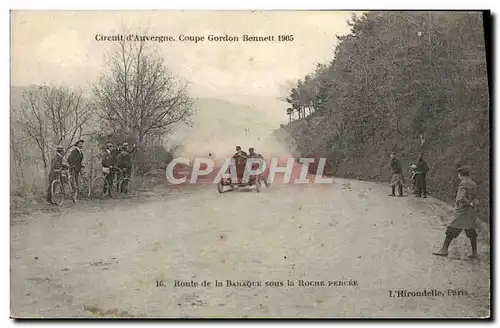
x,y
419,176
466,200
113,158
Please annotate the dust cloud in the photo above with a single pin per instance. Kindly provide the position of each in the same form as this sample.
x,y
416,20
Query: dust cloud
x,y
219,126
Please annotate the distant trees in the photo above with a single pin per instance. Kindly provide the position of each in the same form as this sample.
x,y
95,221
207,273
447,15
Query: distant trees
x,y
414,81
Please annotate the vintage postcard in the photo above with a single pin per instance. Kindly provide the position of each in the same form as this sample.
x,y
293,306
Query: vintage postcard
x,y
250,164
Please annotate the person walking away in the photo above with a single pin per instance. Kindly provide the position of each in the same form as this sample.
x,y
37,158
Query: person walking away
x,y
108,162
465,213
397,175
55,167
75,160
421,176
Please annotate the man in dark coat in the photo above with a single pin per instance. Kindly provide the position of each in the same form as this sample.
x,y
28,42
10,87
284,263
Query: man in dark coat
x,y
108,162
421,177
240,158
465,214
75,159
397,175
55,169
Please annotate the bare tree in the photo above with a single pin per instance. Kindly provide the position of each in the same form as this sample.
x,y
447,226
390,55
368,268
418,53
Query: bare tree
x,y
53,116
138,96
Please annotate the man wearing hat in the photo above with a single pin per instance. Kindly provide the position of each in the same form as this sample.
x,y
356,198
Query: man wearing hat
x,y
397,175
107,162
55,167
465,217
75,159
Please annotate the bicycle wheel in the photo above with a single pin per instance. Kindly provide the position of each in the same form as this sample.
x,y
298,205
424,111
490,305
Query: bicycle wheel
x,y
126,187
57,192
99,184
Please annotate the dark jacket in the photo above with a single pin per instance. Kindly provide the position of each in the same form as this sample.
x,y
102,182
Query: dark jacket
x,y
114,154
396,166
124,160
75,158
57,162
422,167
240,157
465,212
466,194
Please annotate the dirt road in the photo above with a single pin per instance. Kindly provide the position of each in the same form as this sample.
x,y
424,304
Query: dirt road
x,y
107,258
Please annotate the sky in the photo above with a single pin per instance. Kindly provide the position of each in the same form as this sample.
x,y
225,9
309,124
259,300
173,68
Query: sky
x,y
59,47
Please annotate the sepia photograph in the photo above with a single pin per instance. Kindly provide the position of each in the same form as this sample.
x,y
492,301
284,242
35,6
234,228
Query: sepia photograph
x,y
250,164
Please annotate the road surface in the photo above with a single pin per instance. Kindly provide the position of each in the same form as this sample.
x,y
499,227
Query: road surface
x,y
107,258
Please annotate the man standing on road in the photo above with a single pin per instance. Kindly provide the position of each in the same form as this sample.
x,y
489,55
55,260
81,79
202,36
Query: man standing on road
x,y
465,213
421,177
397,175
55,168
108,161
75,159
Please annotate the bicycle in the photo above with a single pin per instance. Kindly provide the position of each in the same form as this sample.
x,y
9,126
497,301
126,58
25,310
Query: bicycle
x,y
63,187
412,189
122,184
